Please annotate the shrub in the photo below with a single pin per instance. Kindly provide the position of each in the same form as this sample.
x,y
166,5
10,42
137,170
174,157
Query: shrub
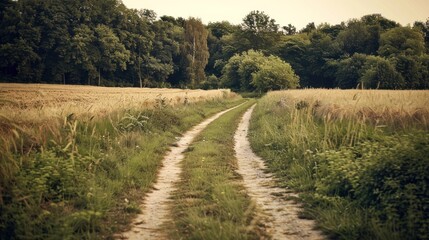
x,y
387,176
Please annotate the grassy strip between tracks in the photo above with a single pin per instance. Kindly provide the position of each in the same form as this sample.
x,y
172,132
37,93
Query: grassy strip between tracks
x,y
210,202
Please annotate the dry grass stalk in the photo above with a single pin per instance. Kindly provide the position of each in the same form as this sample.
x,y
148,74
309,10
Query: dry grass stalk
x,y
395,108
38,110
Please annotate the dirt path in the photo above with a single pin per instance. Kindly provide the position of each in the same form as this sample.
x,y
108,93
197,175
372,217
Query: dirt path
x,y
155,208
281,216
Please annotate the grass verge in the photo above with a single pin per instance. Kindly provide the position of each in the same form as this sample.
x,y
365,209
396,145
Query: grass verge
x,y
210,202
358,180
86,180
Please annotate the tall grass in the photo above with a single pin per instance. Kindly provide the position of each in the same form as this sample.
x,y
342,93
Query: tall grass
x,y
359,157
82,176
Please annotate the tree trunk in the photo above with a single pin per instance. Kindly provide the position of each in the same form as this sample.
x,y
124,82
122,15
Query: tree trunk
x,y
194,50
99,77
140,73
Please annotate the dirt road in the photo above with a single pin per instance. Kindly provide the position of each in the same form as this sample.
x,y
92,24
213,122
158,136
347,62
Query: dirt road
x,y
280,215
155,207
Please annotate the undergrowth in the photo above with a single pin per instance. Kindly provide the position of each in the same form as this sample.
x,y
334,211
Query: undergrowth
x,y
358,180
86,179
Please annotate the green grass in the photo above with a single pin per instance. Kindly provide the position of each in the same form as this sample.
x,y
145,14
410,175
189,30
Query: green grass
x,y
210,202
357,181
87,180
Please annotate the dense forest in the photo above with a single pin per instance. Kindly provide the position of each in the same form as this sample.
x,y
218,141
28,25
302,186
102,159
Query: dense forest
x,y
104,43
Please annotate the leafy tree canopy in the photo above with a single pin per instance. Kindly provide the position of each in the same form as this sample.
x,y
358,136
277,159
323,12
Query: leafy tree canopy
x,y
252,70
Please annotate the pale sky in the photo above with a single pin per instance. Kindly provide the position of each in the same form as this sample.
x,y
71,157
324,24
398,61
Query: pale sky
x,y
296,12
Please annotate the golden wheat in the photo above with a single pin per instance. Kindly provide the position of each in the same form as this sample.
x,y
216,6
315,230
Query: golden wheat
x,y
38,111
39,102
399,108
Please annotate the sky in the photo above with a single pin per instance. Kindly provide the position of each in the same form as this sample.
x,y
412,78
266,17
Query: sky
x,y
296,12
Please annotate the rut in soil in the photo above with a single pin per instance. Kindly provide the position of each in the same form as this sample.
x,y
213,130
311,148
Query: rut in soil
x,y
156,204
279,215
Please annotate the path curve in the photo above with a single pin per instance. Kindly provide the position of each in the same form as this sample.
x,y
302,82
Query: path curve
x,y
280,215
155,207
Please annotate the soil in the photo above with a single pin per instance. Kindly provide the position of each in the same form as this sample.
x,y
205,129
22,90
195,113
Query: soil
x,y
281,216
156,204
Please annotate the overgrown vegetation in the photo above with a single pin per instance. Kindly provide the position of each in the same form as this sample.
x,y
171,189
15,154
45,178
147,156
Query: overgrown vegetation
x,y
210,202
362,172
104,43
86,180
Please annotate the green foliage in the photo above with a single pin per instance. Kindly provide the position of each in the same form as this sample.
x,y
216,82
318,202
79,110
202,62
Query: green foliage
x,y
74,187
258,31
195,51
380,74
275,74
58,42
359,182
387,176
252,71
349,71
212,82
130,122
355,38
401,40
367,71
209,204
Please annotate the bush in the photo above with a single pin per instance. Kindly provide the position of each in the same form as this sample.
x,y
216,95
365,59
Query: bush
x,y
388,176
253,71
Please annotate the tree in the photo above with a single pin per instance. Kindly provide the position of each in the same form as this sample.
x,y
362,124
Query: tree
x,y
424,80
378,20
195,51
19,42
355,38
317,61
83,51
401,40
331,30
220,29
289,29
112,52
310,27
218,46
258,22
424,28
230,73
251,71
381,74
293,49
250,63
350,71
274,74
258,31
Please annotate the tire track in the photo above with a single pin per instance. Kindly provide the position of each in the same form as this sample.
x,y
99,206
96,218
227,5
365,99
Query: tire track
x,y
155,207
280,215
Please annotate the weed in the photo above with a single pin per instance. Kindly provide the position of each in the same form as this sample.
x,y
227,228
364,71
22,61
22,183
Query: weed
x,y
360,157
66,175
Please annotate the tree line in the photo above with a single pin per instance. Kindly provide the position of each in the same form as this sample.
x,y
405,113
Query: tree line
x,y
104,43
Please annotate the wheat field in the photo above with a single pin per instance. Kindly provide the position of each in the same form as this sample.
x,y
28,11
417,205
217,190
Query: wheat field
x,y
38,109
38,102
30,106
399,108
